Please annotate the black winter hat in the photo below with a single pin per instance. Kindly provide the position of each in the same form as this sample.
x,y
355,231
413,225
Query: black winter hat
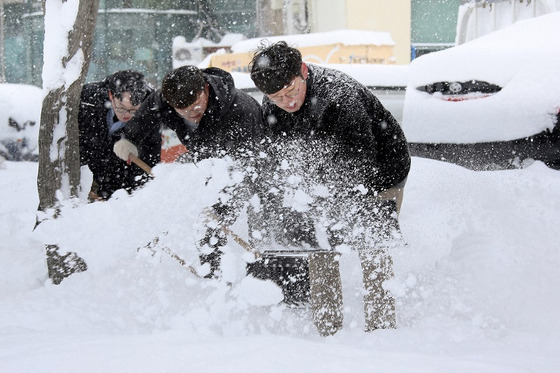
x,y
273,67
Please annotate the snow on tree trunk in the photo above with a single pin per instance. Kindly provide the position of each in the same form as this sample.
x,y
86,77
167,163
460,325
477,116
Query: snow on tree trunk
x,y
68,46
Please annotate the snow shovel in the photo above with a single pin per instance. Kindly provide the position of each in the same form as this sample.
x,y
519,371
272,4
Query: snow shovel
x,y
289,269
303,275
153,245
306,277
244,244
140,163
322,276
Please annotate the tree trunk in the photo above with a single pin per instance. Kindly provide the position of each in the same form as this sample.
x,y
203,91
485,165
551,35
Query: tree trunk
x,y
59,155
208,26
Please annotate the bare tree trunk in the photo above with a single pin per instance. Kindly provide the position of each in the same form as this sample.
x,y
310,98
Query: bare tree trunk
x,y
59,155
208,26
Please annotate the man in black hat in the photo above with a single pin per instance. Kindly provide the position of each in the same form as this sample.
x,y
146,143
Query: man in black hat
x,y
336,133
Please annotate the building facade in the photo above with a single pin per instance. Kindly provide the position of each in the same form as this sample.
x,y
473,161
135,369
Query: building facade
x,y
138,34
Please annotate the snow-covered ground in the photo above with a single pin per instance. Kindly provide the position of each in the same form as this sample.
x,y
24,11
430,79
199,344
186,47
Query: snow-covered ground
x,y
476,287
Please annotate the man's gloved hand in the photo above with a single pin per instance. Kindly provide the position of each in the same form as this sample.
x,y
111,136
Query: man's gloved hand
x,y
123,148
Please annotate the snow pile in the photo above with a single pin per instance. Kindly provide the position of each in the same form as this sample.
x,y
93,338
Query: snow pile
x,y
476,286
344,37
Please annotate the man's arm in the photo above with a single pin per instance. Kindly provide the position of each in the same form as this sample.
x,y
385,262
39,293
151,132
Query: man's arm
x,y
91,125
374,138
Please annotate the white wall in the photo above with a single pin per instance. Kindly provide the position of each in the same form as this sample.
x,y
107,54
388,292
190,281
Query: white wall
x,y
391,16
327,15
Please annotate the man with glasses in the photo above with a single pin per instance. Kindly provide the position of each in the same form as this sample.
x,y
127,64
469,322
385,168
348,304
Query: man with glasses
x,y
334,132
212,119
105,109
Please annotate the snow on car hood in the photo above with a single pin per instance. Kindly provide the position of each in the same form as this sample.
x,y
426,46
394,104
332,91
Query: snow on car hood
x,y
524,59
22,103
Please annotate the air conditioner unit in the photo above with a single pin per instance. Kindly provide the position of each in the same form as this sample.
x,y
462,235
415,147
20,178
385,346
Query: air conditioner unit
x,y
186,53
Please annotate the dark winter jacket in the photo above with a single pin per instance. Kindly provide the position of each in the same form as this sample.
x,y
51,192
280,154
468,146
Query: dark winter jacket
x,y
232,120
96,145
362,139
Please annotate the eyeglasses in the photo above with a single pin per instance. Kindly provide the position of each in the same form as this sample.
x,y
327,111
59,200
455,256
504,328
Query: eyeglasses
x,y
124,111
292,91
117,104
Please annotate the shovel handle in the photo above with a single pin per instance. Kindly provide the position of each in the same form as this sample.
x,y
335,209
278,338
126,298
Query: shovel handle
x,y
244,244
140,163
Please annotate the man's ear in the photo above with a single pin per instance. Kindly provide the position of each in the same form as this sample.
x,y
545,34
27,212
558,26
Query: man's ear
x,y
304,70
110,96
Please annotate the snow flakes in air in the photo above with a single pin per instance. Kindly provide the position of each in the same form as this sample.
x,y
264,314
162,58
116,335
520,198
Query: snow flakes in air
x,y
263,61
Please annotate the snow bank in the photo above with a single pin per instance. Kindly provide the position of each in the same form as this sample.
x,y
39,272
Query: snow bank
x,y
476,286
344,37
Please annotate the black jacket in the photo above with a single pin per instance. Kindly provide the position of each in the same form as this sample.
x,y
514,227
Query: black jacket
x,y
347,128
96,146
232,121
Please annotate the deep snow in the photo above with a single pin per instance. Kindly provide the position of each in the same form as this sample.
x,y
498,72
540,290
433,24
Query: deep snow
x,y
523,59
476,286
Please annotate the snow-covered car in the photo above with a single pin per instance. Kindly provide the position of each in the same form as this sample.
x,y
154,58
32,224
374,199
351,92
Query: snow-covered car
x,y
491,103
20,113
